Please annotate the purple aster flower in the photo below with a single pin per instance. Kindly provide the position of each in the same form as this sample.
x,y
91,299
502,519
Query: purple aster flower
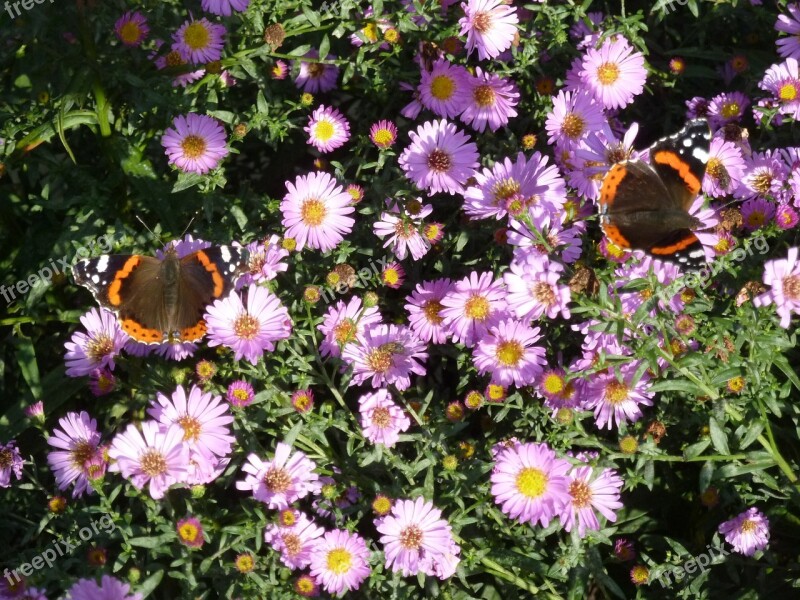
x,y
472,306
783,275
401,230
10,463
530,483
240,394
315,210
508,352
574,116
596,154
724,169
727,108
295,541
783,82
131,28
765,175
97,347
388,354
153,455
327,129
748,532
248,329
757,213
340,561
102,382
195,143
440,157
264,261
343,323
282,480
444,90
696,108
786,217
614,73
789,46
108,588
534,291
224,7
315,76
490,26
424,307
199,41
413,108
77,442
616,397
190,532
383,134
591,490
382,420
490,101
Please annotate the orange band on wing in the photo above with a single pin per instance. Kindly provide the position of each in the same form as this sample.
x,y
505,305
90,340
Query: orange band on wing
x,y
141,333
194,334
611,182
676,247
113,290
219,283
672,159
613,233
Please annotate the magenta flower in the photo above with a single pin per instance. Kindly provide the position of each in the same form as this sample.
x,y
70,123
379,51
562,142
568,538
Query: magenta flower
x,y
314,211
343,323
195,143
440,157
327,129
574,116
490,26
616,397
402,230
131,28
508,352
472,306
190,532
388,354
444,89
97,347
10,463
614,73
756,213
382,420
282,480
383,134
783,82
199,41
724,169
529,483
424,307
109,587
393,275
765,175
264,261
786,217
224,7
340,561
534,291
727,108
240,394
783,277
591,490
35,411
416,539
491,101
294,542
153,455
314,77
789,46
248,329
748,532
77,442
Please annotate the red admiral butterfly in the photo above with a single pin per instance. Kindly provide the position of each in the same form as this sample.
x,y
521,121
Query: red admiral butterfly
x,y
158,300
646,206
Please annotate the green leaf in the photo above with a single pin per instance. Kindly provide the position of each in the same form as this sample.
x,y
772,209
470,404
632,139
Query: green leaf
x,y
718,437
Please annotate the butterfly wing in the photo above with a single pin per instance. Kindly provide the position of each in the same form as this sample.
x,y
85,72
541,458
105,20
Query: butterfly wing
x,y
680,161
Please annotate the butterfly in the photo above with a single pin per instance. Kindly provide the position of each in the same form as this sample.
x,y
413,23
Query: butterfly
x,y
162,299
645,205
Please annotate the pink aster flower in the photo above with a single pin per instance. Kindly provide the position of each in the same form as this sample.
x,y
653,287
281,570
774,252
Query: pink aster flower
x,y
783,275
386,354
596,154
783,82
382,420
96,348
616,397
747,532
240,394
614,73
440,157
102,382
534,291
786,217
591,490
401,230
131,28
574,116
199,41
727,108
444,89
153,455
340,561
77,442
756,213
282,480
195,143
205,421
343,323
315,210
190,532
508,352
472,306
327,129
490,26
303,400
393,275
424,307
416,539
296,541
10,463
316,76
530,483
279,70
383,134
724,169
224,7
264,261
789,46
248,329
108,588
765,175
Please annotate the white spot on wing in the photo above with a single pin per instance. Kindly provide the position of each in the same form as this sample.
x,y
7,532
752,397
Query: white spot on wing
x,y
225,253
95,278
102,264
700,154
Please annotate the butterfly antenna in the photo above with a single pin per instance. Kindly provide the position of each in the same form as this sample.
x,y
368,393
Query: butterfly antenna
x,y
153,233
194,216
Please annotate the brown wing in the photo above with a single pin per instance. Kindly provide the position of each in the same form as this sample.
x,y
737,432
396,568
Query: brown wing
x,y
136,292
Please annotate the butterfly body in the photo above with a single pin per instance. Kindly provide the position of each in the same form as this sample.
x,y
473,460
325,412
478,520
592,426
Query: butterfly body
x,y
158,300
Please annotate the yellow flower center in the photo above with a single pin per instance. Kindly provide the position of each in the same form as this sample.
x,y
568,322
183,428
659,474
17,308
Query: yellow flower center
x,y
196,36
442,87
477,307
581,493
292,543
191,428
730,109
381,417
482,22
788,92
432,308
99,347
608,73
188,532
370,32
748,526
344,332
82,452
277,480
324,130
509,353
505,189
153,463
616,392
193,146
531,482
484,96
339,561
391,276
543,293
573,126
383,137
313,212
411,537
130,32
173,59
496,392
379,360
246,327
553,383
